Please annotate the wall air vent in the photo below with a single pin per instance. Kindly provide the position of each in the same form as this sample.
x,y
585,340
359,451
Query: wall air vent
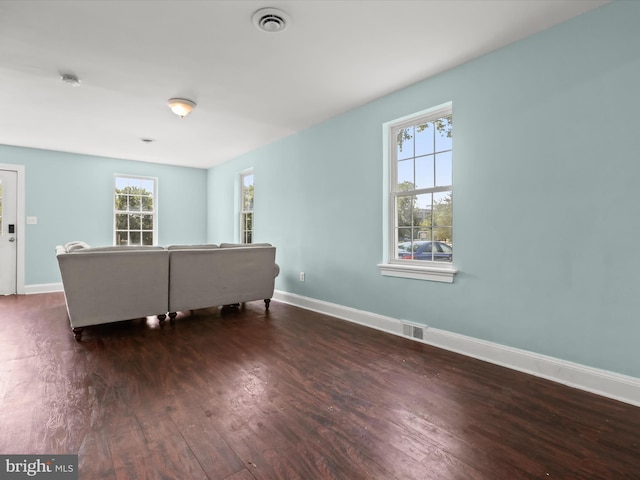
x,y
412,330
270,20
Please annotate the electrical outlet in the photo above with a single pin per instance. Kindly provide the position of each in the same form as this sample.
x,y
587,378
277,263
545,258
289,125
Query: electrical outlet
x,y
302,276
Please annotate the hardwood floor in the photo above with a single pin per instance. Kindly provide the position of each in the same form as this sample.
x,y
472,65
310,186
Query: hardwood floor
x,y
288,394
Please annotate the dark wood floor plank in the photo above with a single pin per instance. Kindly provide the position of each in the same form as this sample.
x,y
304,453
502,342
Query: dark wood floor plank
x,y
129,451
242,475
94,455
288,394
216,458
167,450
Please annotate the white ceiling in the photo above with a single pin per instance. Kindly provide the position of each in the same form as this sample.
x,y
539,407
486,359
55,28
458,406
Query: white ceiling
x,y
251,87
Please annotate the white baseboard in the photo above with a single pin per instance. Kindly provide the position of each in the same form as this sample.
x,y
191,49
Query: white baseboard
x,y
602,382
43,288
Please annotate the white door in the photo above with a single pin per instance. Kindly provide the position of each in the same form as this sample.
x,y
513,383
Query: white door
x,y
8,231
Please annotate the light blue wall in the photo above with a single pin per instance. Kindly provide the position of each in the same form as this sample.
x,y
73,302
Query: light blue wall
x,y
72,197
546,212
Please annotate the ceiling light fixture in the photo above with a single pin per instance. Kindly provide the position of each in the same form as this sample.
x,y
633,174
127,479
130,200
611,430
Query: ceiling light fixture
x,y
270,20
181,106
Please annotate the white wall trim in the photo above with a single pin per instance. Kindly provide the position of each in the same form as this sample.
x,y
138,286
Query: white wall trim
x,y
43,288
601,382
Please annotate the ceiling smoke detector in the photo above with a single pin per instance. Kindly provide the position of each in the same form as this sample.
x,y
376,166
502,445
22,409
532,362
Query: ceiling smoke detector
x,y
271,20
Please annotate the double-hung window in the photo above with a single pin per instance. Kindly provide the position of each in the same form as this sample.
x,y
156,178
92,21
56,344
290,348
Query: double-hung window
x,y
420,196
246,207
135,210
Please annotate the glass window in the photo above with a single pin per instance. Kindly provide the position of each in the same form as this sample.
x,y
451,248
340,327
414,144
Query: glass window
x,y
246,207
135,210
421,175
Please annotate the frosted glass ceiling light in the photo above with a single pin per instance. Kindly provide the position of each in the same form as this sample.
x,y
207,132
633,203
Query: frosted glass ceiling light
x,y
181,106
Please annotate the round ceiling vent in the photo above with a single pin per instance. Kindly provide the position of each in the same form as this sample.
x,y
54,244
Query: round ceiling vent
x,y
271,20
70,79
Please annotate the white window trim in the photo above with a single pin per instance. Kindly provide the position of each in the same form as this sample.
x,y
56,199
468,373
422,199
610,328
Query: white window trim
x,y
442,272
155,203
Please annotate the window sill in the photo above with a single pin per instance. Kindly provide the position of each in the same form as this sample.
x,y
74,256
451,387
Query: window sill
x,y
443,273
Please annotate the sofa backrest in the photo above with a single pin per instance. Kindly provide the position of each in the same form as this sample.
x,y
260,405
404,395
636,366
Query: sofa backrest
x,y
200,278
244,245
207,246
105,284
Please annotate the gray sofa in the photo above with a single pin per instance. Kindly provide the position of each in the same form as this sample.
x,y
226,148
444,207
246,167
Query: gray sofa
x,y
226,275
110,284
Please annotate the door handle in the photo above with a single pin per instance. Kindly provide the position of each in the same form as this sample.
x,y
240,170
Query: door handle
x,y
12,239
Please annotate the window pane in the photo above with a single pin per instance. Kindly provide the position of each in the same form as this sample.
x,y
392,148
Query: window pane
x,y
405,250
443,133
445,248
122,183
135,184
424,172
248,221
404,140
147,238
147,203
121,202
247,192
404,235
422,216
147,222
134,222
444,174
146,185
424,138
121,221
122,238
405,175
404,210
444,234
248,198
134,238
425,233
424,201
134,203
443,209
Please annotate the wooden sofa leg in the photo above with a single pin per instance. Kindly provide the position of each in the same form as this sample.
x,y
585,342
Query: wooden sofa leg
x,y
161,319
172,316
267,301
77,333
